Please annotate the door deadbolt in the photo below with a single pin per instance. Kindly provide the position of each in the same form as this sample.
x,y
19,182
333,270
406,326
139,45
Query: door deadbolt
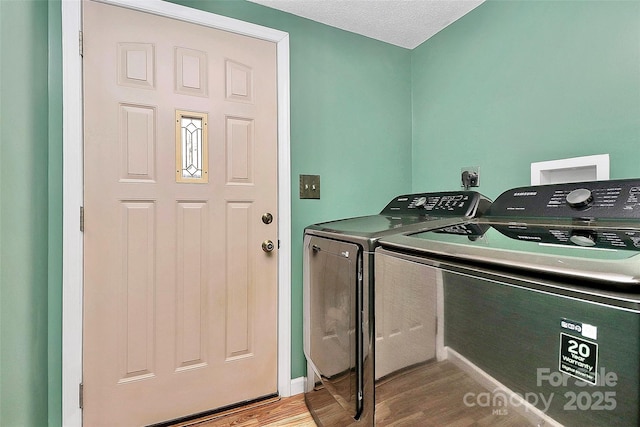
x,y
267,218
267,246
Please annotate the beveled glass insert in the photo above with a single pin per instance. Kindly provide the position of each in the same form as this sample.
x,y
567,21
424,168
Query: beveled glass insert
x,y
191,147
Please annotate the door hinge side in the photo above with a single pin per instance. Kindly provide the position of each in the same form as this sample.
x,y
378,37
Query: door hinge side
x,y
80,44
81,395
81,218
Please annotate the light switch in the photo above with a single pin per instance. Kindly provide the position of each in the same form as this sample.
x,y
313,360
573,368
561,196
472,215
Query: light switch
x,y
309,186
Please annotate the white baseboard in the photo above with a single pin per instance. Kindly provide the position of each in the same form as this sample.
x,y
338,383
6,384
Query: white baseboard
x,y
297,385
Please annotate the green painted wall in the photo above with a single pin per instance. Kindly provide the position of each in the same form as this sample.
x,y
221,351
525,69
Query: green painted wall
x,y
23,213
350,124
524,81
54,308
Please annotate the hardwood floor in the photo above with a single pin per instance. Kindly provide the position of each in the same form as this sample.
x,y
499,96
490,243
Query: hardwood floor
x,y
430,395
436,395
276,412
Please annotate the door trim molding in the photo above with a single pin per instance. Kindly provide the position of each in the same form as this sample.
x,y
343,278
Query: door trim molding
x,y
72,256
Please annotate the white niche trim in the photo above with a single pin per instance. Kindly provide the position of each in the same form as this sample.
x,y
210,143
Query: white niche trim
x,y
575,169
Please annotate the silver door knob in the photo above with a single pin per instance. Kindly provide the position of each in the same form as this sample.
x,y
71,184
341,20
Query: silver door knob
x,y
267,246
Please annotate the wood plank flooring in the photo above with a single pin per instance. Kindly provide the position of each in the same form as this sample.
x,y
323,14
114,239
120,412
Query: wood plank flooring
x,y
277,412
430,395
433,395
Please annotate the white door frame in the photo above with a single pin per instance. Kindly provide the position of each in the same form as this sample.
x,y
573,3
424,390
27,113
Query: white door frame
x,y
72,256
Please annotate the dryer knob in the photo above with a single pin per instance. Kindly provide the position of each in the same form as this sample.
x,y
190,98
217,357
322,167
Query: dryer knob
x,y
420,202
580,198
583,238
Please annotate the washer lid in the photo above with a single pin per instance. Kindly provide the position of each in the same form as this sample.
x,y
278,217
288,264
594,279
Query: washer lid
x,y
605,254
369,225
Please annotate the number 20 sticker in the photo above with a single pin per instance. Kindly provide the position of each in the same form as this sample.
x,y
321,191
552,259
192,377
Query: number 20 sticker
x,y
578,358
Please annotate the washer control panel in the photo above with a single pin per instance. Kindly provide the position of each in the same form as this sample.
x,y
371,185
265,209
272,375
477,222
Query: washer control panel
x,y
573,236
616,199
455,203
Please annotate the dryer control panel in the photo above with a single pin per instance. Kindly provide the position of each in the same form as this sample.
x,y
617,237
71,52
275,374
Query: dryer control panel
x,y
615,199
453,203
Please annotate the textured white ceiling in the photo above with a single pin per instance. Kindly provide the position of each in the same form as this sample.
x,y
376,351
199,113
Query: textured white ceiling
x,y
405,23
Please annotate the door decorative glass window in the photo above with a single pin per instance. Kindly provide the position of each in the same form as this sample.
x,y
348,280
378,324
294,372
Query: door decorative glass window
x,y
191,147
